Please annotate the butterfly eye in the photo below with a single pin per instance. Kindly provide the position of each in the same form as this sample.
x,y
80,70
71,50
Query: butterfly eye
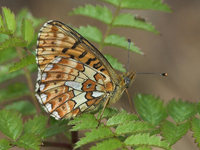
x,y
89,85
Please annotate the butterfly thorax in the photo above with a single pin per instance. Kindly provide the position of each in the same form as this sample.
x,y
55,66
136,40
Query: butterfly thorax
x,y
125,80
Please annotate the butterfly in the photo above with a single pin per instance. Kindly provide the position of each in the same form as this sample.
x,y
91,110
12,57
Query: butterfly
x,y
73,75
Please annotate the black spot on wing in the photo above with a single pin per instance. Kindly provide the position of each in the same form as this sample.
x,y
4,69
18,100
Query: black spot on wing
x,y
90,60
97,65
64,50
75,44
83,54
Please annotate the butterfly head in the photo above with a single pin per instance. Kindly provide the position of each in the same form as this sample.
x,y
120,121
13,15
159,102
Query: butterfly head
x,y
128,78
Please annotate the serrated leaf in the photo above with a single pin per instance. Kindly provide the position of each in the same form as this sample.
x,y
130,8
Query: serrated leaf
x,y
118,41
196,130
172,133
5,75
95,135
4,144
146,140
150,108
141,4
109,112
180,110
27,31
85,121
91,33
97,12
30,59
133,127
9,18
13,91
60,126
29,141
115,63
12,42
143,148
110,144
24,107
36,126
25,14
7,55
10,124
127,20
120,118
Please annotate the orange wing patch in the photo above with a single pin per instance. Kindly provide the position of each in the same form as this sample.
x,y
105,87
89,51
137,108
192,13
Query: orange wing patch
x,y
71,79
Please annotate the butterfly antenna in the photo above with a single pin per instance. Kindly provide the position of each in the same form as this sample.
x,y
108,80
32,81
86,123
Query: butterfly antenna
x,y
163,74
128,62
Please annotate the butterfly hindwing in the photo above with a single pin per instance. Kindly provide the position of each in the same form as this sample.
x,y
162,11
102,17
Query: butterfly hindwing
x,y
71,78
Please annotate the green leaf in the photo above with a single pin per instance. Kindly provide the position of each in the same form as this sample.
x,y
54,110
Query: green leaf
x,y
25,14
100,13
94,135
180,111
30,59
5,75
7,54
29,141
110,144
150,108
127,20
143,148
118,41
12,42
196,130
27,31
3,37
36,126
109,112
91,33
9,18
60,126
85,121
120,118
115,63
141,4
24,107
133,127
1,22
13,91
172,133
146,140
10,124
4,144
198,107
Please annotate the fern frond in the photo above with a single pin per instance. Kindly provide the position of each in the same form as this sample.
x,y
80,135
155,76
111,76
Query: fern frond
x,y
116,40
128,20
196,130
180,110
96,12
30,59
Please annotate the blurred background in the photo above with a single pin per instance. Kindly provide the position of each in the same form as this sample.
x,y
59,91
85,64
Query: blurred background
x,y
175,51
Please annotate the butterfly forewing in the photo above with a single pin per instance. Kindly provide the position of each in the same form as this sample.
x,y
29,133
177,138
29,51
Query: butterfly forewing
x,y
73,75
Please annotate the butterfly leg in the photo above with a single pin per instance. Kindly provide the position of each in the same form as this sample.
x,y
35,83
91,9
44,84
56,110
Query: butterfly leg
x,y
104,106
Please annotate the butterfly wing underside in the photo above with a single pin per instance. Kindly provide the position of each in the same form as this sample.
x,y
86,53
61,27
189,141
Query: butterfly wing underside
x,y
73,76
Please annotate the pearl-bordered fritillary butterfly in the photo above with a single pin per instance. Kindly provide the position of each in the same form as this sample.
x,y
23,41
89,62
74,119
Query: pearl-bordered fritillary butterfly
x,y
73,76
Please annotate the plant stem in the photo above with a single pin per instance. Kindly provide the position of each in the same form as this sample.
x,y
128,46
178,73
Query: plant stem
x,y
110,26
29,81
